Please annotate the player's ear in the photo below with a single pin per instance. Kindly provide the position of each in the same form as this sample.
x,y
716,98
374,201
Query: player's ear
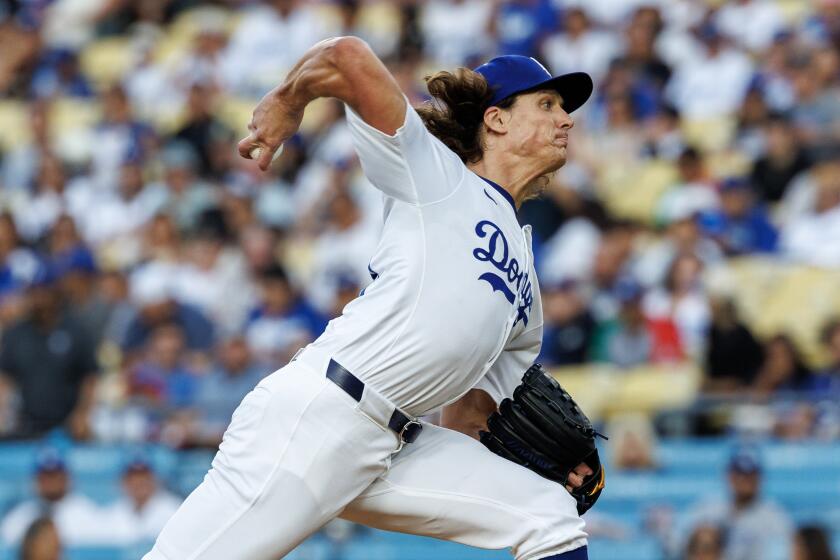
x,y
496,119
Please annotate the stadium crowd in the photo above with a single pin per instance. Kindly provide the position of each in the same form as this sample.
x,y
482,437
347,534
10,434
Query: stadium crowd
x,y
149,277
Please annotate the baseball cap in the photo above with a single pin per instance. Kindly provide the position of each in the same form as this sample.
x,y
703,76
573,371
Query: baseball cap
x,y
745,461
511,74
49,460
138,462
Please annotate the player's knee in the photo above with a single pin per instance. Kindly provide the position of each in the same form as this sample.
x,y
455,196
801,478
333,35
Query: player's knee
x,y
552,531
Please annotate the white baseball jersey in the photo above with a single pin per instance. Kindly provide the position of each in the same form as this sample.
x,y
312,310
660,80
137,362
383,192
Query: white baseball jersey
x,y
454,300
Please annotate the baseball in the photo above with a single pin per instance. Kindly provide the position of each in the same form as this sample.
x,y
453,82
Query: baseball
x,y
256,152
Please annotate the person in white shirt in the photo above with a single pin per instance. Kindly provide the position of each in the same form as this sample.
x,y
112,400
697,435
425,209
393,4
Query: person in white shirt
x,y
76,517
580,47
143,510
452,317
713,84
752,24
455,30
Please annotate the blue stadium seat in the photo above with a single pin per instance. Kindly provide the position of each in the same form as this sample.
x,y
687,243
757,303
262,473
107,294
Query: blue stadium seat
x,y
644,548
379,545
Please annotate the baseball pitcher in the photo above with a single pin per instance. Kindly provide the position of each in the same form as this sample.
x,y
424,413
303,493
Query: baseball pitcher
x,y
451,320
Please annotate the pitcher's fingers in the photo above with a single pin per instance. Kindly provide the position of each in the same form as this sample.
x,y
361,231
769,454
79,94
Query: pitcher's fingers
x,y
246,145
266,155
574,479
583,469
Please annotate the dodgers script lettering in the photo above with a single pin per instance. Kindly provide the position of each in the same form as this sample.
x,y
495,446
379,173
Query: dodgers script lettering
x,y
513,279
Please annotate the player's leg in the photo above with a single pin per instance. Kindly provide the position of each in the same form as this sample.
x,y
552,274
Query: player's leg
x,y
449,486
296,452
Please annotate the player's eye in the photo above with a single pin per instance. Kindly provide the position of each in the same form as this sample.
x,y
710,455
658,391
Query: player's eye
x,y
547,104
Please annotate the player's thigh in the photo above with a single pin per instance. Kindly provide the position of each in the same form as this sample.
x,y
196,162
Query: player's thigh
x,y
295,453
449,486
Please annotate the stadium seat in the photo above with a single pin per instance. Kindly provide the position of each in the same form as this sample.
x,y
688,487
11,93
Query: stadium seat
x,y
14,127
637,549
105,61
634,193
603,390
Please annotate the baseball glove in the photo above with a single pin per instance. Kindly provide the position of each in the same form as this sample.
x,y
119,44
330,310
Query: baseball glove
x,y
543,429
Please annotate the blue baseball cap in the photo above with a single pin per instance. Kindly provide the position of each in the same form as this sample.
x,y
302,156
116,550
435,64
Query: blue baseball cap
x,y
49,460
511,74
745,461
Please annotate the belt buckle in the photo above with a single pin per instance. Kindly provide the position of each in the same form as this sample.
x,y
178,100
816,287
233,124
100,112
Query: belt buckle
x,y
409,433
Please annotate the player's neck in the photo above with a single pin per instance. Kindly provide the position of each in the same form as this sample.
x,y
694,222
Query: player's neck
x,y
518,182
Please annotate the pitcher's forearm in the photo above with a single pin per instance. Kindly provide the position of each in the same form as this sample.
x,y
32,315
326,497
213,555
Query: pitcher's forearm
x,y
332,68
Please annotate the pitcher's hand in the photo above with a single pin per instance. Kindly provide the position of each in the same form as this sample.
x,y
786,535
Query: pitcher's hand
x,y
276,118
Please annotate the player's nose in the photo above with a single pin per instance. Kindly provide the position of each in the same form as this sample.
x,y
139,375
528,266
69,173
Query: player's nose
x,y
565,121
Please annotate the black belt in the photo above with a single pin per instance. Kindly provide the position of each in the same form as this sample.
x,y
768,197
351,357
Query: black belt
x,y
406,428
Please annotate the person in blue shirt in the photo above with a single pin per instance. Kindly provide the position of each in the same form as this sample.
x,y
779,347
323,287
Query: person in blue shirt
x,y
740,225
521,25
283,321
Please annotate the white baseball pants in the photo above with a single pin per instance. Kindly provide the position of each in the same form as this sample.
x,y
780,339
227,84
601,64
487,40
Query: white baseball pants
x,y
449,486
299,450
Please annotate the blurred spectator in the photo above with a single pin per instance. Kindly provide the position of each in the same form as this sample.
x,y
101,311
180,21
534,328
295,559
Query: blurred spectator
x,y
751,23
455,31
633,338
76,270
520,26
682,237
119,137
19,165
187,196
664,139
733,355
682,300
811,543
705,543
757,529
579,47
41,541
632,442
163,380
232,376
283,321
694,191
269,40
112,288
828,380
113,217
213,276
201,125
36,212
782,160
813,237
138,516
783,369
49,359
344,248
740,226
203,64
76,518
568,252
714,84
58,75
18,266
569,325
641,55
817,108
152,291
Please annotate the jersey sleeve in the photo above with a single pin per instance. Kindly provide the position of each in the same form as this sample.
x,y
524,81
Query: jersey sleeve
x,y
411,165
